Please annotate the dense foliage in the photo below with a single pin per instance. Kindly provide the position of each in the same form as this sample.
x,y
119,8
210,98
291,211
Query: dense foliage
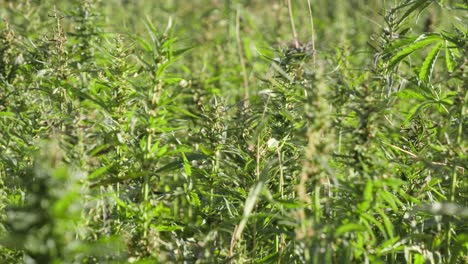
x,y
233,131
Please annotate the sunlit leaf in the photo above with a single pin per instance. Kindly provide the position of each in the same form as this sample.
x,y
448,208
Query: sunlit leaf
x,y
428,64
417,45
449,61
350,227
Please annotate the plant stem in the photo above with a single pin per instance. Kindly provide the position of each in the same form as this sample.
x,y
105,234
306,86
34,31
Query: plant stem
x,y
291,18
242,60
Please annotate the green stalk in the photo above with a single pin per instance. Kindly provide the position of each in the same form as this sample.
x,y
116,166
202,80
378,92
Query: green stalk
x,y
453,181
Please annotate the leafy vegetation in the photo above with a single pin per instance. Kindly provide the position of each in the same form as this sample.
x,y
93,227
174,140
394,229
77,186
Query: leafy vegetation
x,y
233,131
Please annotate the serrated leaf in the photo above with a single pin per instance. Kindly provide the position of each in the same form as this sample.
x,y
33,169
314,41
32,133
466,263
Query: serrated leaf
x,y
247,50
387,222
422,4
428,65
7,114
151,31
461,6
390,199
99,172
205,150
369,228
177,53
195,199
162,151
388,245
350,227
409,94
399,43
184,112
187,166
371,219
167,228
408,197
268,258
368,191
405,52
367,197
414,111
146,46
449,62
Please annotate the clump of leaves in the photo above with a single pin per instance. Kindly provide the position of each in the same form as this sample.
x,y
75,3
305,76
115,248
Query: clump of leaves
x,y
43,226
348,157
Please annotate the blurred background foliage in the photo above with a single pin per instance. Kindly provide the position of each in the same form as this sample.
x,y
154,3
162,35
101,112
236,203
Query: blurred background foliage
x,y
201,132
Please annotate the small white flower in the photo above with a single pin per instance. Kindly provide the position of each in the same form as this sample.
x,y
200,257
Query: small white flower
x,y
183,83
273,143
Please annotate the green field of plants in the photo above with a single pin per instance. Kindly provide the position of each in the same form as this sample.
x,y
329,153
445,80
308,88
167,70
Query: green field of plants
x,y
233,131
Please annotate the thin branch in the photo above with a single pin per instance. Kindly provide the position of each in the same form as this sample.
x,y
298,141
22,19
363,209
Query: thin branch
x,y
291,18
312,28
242,60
